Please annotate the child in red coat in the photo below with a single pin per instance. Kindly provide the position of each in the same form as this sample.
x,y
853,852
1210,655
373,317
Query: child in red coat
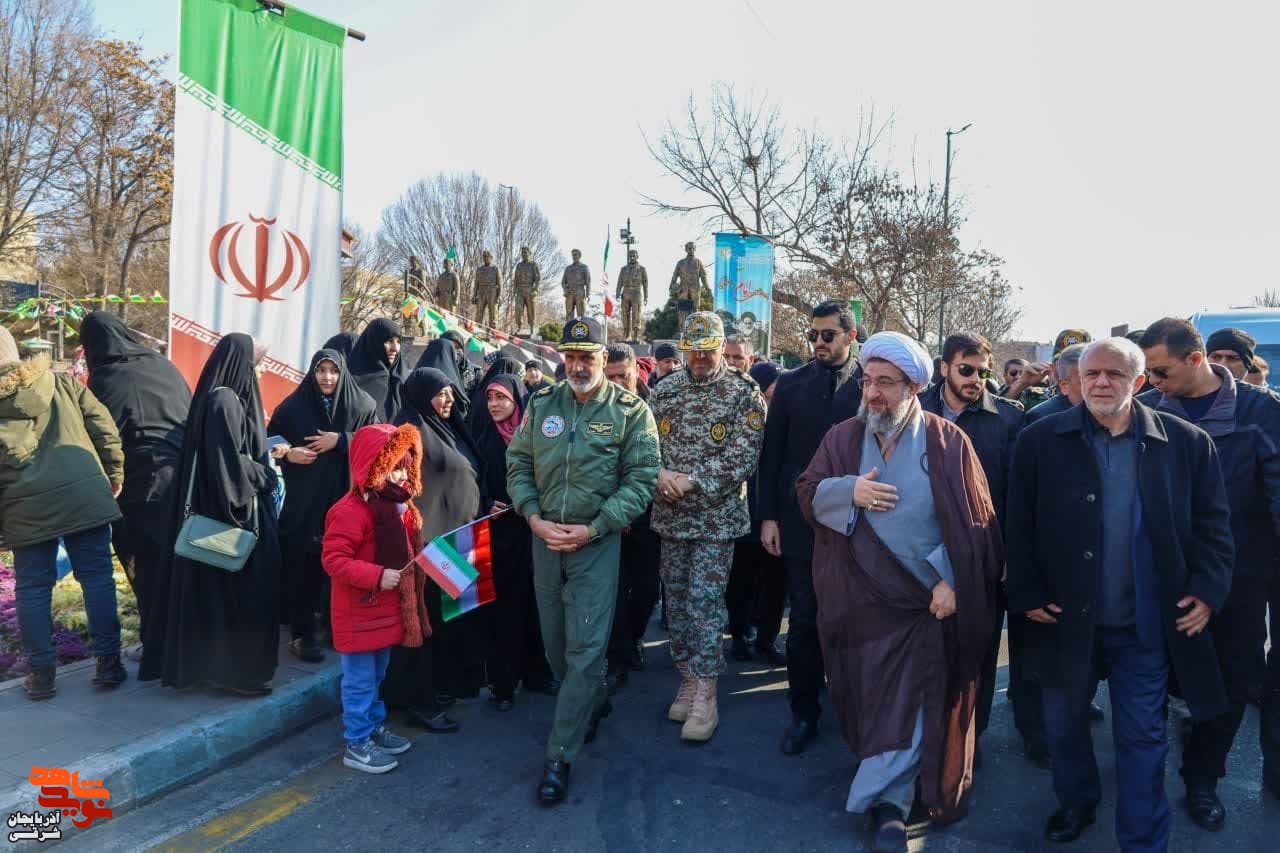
x,y
371,537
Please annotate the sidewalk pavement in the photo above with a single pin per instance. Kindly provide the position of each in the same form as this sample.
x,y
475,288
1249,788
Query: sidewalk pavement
x,y
143,740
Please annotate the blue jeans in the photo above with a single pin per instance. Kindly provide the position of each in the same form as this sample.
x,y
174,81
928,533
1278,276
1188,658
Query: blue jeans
x,y
362,710
1138,678
35,569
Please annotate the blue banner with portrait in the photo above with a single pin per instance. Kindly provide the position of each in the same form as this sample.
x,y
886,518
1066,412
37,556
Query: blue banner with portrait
x,y
744,287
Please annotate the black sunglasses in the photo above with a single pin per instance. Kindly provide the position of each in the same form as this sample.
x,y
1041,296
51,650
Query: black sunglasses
x,y
828,335
967,370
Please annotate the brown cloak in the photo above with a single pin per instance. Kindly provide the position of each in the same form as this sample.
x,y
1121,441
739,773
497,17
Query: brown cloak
x,y
885,653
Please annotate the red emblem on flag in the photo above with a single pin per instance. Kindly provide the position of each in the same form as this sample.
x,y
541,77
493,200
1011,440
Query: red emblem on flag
x,y
279,259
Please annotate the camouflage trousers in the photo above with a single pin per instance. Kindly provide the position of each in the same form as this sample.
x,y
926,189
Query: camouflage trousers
x,y
694,575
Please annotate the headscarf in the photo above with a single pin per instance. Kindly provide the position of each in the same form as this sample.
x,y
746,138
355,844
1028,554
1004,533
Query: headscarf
x,y
419,389
343,342
500,365
230,365
368,365
304,413
1236,340
900,351
443,356
492,438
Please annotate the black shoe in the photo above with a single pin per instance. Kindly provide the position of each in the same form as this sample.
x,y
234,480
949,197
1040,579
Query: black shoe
x,y
615,679
39,683
605,710
798,736
504,704
438,723
889,828
555,783
1067,824
1036,752
773,655
550,687
637,660
306,650
110,672
740,650
1205,808
751,634
1095,713
252,692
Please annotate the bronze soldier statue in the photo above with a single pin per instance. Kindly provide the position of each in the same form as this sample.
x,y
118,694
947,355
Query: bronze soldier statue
x,y
633,292
487,291
687,282
415,278
576,282
447,287
528,278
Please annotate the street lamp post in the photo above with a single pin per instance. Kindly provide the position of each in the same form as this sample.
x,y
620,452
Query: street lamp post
x,y
946,226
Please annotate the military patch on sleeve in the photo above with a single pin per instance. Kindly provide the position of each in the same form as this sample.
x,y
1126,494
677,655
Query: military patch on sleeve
x,y
600,428
755,421
664,426
553,426
719,432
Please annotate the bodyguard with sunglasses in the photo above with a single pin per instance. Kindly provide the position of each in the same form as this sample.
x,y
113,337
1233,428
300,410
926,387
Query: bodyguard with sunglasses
x,y
807,402
992,424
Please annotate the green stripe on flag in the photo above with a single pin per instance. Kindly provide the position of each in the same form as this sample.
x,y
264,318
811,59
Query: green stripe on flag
x,y
283,95
461,563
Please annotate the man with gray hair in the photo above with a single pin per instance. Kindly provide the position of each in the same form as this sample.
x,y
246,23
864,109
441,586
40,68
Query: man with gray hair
x,y
1067,369
1119,550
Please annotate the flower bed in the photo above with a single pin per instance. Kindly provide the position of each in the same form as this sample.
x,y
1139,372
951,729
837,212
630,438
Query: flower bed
x,y
70,624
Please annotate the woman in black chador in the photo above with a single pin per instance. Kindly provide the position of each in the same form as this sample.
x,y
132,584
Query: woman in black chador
x,y
426,679
378,367
317,420
223,627
149,401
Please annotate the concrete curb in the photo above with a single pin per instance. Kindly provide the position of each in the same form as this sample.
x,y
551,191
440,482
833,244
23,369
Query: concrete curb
x,y
148,768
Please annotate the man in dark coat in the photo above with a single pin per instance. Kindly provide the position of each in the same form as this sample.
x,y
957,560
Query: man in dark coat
x,y
992,424
1244,422
807,402
1119,547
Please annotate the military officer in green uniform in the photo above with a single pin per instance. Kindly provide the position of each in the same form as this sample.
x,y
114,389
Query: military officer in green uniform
x,y
582,465
711,425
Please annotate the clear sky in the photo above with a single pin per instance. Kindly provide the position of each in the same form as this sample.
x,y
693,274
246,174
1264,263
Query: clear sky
x,y
1117,159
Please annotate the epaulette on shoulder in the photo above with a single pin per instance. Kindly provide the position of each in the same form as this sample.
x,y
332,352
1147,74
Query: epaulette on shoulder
x,y
627,398
545,392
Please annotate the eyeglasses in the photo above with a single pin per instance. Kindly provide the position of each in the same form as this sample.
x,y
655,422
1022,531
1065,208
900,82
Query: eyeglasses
x,y
828,335
1159,372
884,383
968,370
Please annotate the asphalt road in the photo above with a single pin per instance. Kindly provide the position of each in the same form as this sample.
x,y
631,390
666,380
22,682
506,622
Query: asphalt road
x,y
637,788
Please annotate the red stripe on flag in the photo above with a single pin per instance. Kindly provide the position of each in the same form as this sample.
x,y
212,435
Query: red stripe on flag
x,y
482,559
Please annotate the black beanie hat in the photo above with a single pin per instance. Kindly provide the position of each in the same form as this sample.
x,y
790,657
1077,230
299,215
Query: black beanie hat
x,y
1241,342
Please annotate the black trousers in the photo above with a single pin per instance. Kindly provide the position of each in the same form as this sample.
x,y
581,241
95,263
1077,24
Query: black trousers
x,y
1237,630
1271,691
757,591
637,592
305,592
506,625
1024,695
804,654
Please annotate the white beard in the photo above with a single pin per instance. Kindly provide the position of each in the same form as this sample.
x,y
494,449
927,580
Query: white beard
x,y
589,385
1108,411
888,422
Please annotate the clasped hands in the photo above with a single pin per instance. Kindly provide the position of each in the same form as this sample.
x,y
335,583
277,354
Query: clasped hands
x,y
559,537
673,486
321,442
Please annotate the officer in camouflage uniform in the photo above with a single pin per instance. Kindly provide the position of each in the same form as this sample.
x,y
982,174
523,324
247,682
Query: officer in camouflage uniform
x,y
447,287
527,278
488,290
580,468
633,292
1041,382
711,426
576,282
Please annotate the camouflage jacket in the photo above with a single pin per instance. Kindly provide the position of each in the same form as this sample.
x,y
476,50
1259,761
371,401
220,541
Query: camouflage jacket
x,y
576,278
526,276
713,431
632,278
489,277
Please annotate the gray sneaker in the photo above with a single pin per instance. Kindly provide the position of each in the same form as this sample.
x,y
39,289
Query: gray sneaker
x,y
389,742
367,758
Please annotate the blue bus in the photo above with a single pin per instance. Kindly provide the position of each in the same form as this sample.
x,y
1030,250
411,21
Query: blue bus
x,y
1262,323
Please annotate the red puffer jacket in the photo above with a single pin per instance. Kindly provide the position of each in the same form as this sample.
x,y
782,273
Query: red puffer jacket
x,y
364,617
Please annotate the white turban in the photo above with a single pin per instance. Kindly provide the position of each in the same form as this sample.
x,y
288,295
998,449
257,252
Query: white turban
x,y
900,351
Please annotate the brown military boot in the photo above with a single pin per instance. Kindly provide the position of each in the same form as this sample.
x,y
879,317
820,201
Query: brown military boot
x,y
679,710
703,716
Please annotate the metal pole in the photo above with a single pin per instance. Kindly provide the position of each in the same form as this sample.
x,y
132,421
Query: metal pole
x,y
277,6
946,227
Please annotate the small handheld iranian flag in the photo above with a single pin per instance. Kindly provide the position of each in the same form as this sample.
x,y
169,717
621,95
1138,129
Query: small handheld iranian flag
x,y
461,563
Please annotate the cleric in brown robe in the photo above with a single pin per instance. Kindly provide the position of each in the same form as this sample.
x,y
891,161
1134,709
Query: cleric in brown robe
x,y
906,560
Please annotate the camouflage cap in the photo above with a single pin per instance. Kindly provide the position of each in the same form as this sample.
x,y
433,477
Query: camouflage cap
x,y
1067,337
703,330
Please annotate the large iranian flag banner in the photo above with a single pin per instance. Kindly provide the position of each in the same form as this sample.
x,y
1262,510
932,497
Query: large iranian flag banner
x,y
257,196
